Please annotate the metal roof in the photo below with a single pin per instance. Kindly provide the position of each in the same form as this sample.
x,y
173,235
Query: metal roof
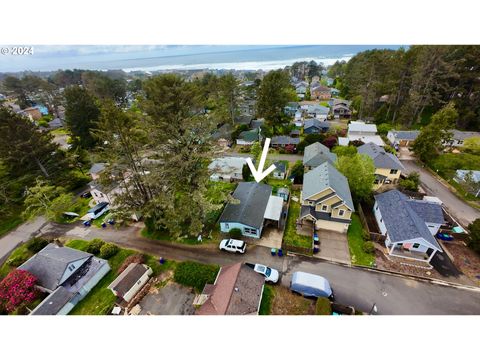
x,y
274,208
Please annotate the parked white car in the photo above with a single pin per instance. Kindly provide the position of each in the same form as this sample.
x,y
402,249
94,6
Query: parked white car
x,y
271,275
232,245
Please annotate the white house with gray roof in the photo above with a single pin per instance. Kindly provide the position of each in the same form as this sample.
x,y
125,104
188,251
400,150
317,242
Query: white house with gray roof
x,y
459,137
227,169
326,200
402,138
254,205
361,131
66,274
409,225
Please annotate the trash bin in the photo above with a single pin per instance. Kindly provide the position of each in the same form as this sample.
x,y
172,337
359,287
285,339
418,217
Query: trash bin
x,y
280,252
161,260
316,249
273,251
104,225
111,222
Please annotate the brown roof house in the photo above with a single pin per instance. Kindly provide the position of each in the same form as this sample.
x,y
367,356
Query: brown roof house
x,y
237,291
130,281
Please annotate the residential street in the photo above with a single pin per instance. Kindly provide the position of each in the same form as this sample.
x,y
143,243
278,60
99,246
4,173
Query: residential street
x,y
463,212
357,287
21,234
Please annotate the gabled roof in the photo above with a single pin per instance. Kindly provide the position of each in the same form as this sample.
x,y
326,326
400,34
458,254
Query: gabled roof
x,y
249,135
326,176
316,123
405,135
54,302
280,166
429,212
462,135
360,126
316,154
285,140
381,158
253,199
50,264
320,88
128,278
318,109
401,220
227,165
237,291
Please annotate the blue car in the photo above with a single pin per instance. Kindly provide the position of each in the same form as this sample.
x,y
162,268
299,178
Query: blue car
x,y
444,236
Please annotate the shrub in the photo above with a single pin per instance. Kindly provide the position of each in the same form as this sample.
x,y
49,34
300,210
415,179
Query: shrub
x,y
17,289
108,250
196,275
474,240
411,182
36,244
368,247
132,259
235,233
94,246
323,306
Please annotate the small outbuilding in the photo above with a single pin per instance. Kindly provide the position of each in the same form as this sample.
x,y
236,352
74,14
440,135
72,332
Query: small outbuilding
x,y
130,281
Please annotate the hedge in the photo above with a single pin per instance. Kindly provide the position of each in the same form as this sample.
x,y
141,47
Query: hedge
x,y
196,275
94,246
108,250
235,233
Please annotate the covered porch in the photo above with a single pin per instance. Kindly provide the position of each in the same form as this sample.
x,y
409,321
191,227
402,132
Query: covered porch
x,y
405,251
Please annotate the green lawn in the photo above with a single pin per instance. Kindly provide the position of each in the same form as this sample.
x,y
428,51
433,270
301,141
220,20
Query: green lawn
x,y
19,255
267,299
355,241
100,300
290,237
80,206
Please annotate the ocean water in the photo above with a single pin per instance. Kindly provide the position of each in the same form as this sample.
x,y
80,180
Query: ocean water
x,y
150,58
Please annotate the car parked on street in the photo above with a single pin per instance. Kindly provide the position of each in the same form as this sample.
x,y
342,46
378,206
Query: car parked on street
x,y
310,285
271,275
232,245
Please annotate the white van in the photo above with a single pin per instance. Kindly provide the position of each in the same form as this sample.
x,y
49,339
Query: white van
x,y
311,285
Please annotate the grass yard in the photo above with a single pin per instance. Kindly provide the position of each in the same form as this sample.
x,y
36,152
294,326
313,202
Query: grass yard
x,y
80,206
290,237
284,302
355,244
195,275
101,300
267,299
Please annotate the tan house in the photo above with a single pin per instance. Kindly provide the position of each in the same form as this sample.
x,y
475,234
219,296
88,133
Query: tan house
x,y
326,200
387,166
320,93
33,113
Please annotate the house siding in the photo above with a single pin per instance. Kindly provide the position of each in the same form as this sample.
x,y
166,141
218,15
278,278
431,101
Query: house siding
x,y
331,225
138,285
227,226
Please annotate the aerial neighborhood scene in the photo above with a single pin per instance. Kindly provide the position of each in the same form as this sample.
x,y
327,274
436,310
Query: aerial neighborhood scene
x,y
335,180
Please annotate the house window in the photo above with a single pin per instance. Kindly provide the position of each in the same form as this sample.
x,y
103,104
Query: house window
x,y
381,220
341,212
226,226
250,231
375,181
393,171
324,207
416,246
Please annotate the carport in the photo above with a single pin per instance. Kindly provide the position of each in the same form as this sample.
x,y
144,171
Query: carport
x,y
273,212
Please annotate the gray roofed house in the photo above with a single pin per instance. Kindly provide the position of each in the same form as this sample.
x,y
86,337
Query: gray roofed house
x,y
256,123
315,126
248,213
50,265
249,137
316,154
381,158
402,138
282,141
327,176
67,274
459,137
97,168
409,225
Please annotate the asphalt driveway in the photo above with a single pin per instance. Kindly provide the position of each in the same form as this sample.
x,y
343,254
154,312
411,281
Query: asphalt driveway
x,y
172,299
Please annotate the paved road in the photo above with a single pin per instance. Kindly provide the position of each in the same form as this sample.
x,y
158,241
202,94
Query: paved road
x,y
19,235
360,288
463,212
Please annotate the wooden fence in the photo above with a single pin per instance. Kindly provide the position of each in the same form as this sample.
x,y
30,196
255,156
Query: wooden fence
x,y
374,236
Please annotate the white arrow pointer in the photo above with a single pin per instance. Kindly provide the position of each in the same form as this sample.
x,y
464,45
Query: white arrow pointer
x,y
260,174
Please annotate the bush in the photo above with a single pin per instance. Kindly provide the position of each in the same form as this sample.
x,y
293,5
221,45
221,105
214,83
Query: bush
x,y
94,246
235,233
36,244
474,241
108,250
18,260
368,247
17,289
195,275
132,259
411,182
323,306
